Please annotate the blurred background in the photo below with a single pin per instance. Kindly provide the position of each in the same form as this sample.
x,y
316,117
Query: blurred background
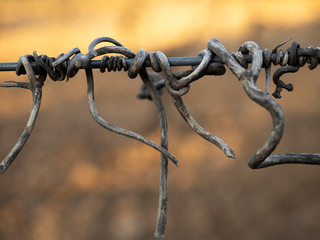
x,y
74,180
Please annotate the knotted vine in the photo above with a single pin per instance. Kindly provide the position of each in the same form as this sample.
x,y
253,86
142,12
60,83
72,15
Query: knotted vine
x,y
245,64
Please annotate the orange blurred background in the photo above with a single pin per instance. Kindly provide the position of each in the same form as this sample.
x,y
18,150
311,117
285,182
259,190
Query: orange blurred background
x,y
74,180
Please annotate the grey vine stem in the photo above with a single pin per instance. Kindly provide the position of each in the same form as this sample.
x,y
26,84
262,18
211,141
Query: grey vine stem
x,y
210,61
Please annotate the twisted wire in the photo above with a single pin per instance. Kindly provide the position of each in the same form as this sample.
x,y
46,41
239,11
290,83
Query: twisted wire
x,y
61,67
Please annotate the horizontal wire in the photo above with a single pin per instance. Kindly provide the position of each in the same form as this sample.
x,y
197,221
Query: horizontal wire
x,y
174,61
95,64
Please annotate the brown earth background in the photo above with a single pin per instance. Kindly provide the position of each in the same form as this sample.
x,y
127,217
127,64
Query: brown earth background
x,y
74,180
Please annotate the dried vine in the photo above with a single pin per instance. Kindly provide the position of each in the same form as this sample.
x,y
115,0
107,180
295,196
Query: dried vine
x,y
210,61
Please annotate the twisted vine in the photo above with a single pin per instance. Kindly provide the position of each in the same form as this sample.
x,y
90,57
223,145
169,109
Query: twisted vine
x,y
213,59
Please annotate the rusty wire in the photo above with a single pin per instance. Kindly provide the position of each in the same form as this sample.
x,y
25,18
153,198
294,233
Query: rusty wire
x,y
210,61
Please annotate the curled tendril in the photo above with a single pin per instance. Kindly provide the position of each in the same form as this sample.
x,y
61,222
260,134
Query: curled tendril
x,y
137,68
248,78
35,86
177,85
118,130
178,102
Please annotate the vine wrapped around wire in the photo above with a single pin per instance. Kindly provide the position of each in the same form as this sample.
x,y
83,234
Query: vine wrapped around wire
x,y
210,61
